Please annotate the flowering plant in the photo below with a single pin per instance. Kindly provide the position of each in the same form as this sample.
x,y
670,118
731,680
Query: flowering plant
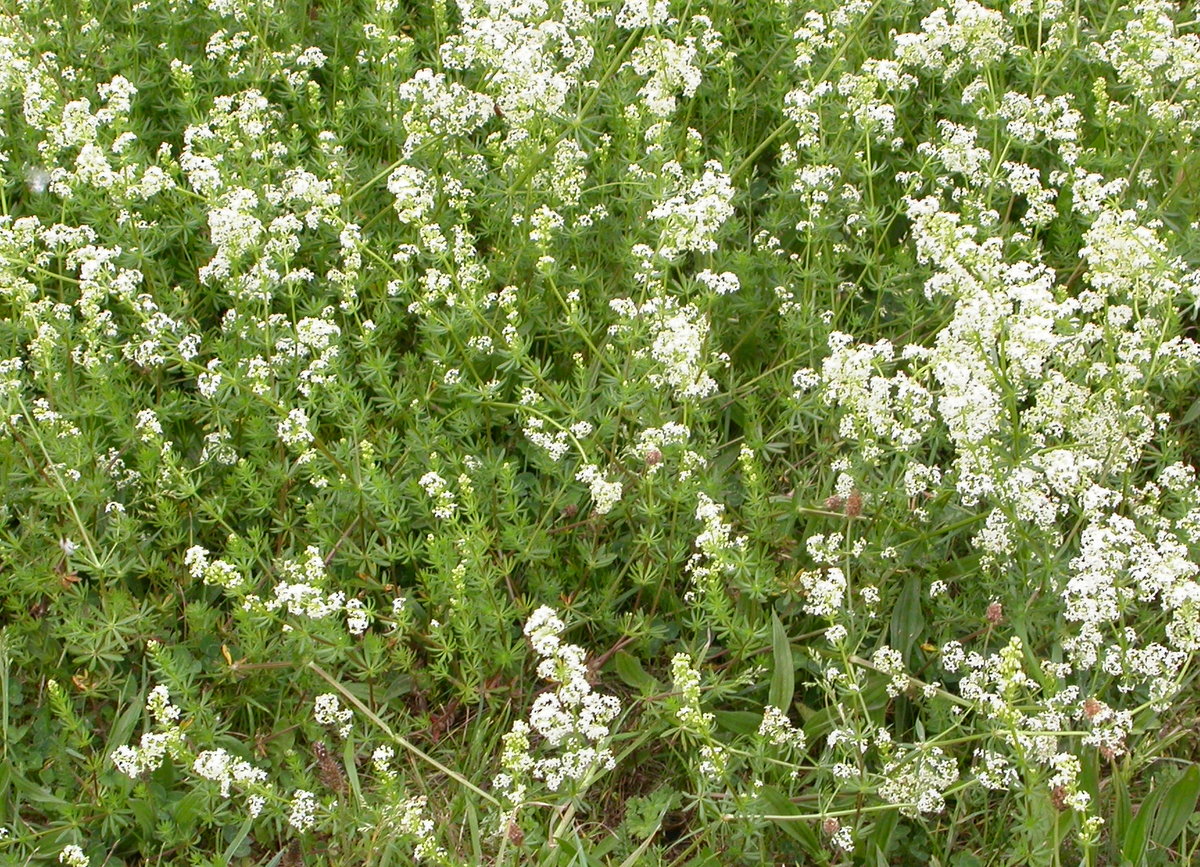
x,y
628,431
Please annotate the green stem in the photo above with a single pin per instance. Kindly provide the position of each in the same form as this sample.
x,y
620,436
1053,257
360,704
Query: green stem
x,y
404,742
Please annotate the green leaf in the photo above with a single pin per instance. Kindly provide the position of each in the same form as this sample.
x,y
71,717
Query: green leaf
x,y
739,722
629,669
907,619
186,811
1176,807
798,829
1133,846
783,678
122,729
881,833
1192,414
706,857
236,844
819,723
1122,810
351,768
1089,777
36,794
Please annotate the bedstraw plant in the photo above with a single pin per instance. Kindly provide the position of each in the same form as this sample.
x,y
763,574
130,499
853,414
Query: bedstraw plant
x,y
625,432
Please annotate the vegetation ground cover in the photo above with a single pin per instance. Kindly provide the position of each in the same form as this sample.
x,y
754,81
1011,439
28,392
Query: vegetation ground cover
x,y
626,432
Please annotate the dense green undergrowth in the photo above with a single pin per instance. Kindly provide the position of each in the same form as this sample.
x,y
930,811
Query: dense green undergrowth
x,y
575,432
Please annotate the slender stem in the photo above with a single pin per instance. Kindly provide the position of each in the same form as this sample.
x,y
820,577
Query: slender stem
x,y
87,539
404,742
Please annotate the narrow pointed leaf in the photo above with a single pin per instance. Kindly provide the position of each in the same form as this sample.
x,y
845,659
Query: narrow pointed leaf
x,y
783,677
1177,807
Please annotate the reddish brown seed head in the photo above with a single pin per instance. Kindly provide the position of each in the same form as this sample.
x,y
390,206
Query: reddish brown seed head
x,y
854,504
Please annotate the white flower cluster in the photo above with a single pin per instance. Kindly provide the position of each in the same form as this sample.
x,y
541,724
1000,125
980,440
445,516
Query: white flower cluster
x,y
725,283
439,491
148,426
652,441
692,213
303,810
824,591
644,13
1011,310
158,702
214,572
868,93
148,756
234,230
889,661
571,717
413,191
556,444
381,761
1128,261
714,544
994,771
293,429
967,32
670,70
301,592
1110,728
917,782
73,856
779,731
605,494
1118,571
713,756
1151,55
531,59
328,711
226,770
1064,782
215,765
685,680
677,345
1118,566
439,109
877,409
313,341
816,187
800,107
414,823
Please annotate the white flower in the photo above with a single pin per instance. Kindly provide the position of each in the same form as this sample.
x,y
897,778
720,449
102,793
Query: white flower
x,y
293,430
357,617
437,488
605,494
411,188
381,761
327,711
73,856
158,702
671,70
778,729
691,217
916,782
303,809
725,283
825,590
543,628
